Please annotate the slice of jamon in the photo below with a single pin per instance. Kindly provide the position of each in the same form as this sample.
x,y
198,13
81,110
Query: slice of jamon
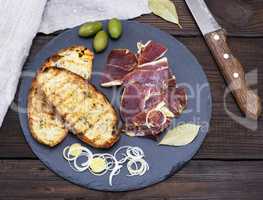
x,y
150,51
119,63
153,122
156,72
136,99
132,101
156,66
150,123
144,88
153,96
150,83
177,100
150,98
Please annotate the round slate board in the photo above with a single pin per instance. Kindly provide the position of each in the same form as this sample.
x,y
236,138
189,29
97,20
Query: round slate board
x,y
164,161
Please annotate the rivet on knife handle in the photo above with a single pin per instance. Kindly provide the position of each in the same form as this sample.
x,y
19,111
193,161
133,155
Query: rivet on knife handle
x,y
233,72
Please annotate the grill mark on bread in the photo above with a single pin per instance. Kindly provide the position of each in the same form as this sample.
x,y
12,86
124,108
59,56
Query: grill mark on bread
x,y
101,134
41,118
46,110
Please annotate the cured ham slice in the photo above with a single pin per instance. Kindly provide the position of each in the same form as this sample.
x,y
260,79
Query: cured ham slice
x,y
156,66
132,101
119,63
156,73
136,99
177,100
144,88
150,51
148,123
150,98
153,121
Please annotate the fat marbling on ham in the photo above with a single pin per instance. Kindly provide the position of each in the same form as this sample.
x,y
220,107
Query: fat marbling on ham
x,y
150,98
119,63
150,51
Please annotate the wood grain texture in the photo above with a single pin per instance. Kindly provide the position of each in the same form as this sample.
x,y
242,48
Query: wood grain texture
x,y
241,18
234,74
23,177
238,17
226,138
198,180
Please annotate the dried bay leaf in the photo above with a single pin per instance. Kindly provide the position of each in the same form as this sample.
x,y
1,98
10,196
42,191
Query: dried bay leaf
x,y
164,9
181,135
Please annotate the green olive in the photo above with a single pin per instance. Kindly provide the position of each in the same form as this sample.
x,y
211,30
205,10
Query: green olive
x,y
89,29
115,28
100,41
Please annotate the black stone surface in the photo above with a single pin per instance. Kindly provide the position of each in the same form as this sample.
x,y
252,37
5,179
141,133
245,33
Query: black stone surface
x,y
164,161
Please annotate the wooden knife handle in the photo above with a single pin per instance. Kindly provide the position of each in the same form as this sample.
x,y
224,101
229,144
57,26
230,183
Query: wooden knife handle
x,y
234,74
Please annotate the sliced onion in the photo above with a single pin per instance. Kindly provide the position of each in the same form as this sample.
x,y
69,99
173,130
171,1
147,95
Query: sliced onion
x,y
135,153
138,171
67,155
132,155
83,166
116,170
124,155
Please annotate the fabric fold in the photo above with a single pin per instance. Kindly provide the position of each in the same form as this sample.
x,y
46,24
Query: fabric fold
x,y
19,23
61,14
21,20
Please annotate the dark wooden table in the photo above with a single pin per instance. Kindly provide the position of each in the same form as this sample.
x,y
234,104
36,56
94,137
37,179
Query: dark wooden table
x,y
229,164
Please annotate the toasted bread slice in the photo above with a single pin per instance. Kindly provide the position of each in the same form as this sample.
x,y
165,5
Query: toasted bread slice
x,y
77,59
45,127
85,110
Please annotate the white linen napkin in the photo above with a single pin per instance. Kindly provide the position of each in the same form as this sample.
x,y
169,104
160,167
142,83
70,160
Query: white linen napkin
x,y
20,21
61,14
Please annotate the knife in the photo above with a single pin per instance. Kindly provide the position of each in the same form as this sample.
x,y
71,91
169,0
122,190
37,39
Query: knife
x,y
230,67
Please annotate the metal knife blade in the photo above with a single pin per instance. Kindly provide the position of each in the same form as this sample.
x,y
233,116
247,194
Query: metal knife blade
x,y
203,16
232,70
